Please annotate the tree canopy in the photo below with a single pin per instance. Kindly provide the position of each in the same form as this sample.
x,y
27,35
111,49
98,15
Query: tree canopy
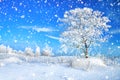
x,y
85,27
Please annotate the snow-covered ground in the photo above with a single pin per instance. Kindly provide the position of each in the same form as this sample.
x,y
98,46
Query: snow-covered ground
x,y
20,67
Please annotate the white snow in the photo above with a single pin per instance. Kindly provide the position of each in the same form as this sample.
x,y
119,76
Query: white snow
x,y
23,67
41,71
12,60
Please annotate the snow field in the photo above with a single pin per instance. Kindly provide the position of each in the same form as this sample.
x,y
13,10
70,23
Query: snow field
x,y
22,67
43,71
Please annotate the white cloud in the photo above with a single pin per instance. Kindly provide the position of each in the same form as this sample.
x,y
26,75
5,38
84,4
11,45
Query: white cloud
x,y
38,29
42,29
115,31
25,27
53,37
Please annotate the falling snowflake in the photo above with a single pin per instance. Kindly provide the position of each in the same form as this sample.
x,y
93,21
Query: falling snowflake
x,y
111,4
100,0
23,16
45,1
30,10
57,5
112,43
118,47
15,41
38,1
118,4
15,8
106,77
20,4
33,74
56,15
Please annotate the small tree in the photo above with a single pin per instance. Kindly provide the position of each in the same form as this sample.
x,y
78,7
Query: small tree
x,y
37,51
47,51
3,49
28,51
85,27
9,50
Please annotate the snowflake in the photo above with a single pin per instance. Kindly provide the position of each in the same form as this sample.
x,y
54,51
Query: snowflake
x,y
15,41
38,1
5,13
20,4
22,16
30,10
56,15
57,5
33,74
112,43
82,2
111,4
45,1
106,77
31,22
100,0
2,64
15,8
118,4
118,47
46,12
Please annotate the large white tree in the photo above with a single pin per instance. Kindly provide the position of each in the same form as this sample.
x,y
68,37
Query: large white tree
x,y
84,27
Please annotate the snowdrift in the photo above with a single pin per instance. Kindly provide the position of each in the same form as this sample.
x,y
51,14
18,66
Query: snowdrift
x,y
13,60
24,67
88,63
10,60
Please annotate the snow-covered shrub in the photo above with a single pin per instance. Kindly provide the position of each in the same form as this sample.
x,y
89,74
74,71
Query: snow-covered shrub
x,y
28,51
19,52
37,51
47,51
87,63
9,50
3,49
12,60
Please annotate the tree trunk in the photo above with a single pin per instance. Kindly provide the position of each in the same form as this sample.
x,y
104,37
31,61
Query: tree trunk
x,y
86,51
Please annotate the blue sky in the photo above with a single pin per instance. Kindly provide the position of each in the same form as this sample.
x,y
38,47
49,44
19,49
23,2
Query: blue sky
x,y
26,23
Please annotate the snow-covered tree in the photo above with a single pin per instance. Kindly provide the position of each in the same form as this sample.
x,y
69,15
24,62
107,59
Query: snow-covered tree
x,y
37,51
47,51
84,28
3,49
9,50
29,51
